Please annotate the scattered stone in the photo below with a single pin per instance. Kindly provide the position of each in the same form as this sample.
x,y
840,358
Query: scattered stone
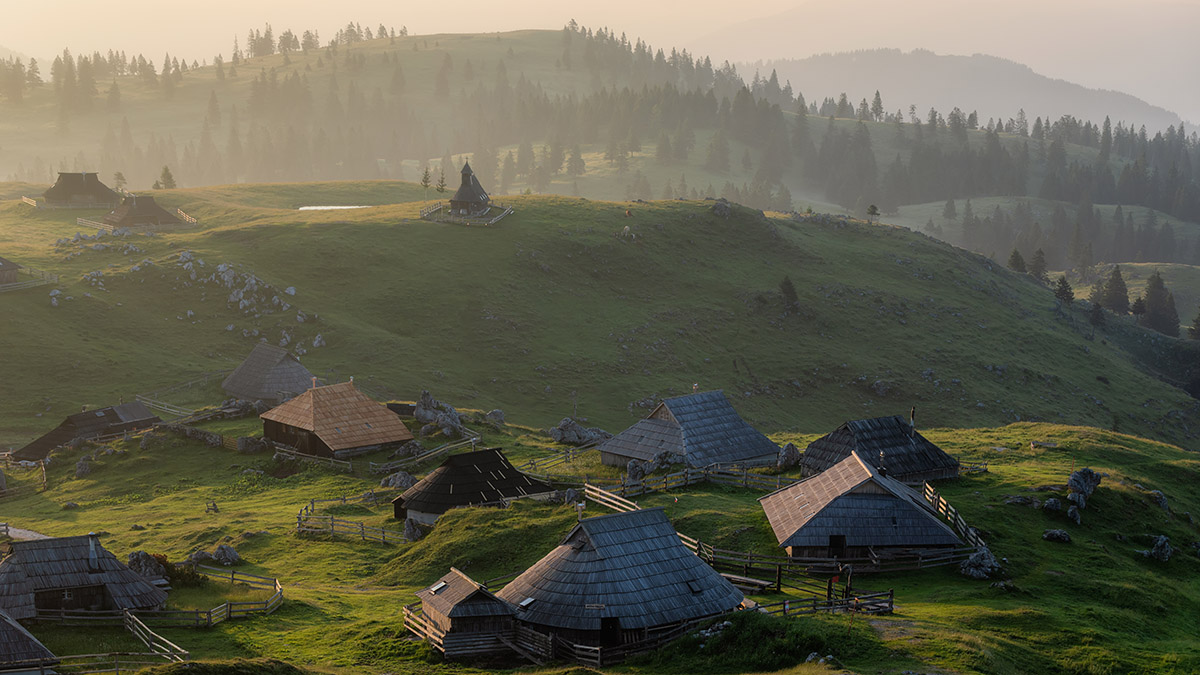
x,y
412,531
1082,484
318,341
1160,499
571,432
721,208
634,472
495,417
252,472
430,411
571,496
409,449
1162,549
226,555
401,480
1052,505
146,565
290,290
200,557
1060,536
1073,515
137,528
69,506
83,468
981,565
789,456
1021,500
149,440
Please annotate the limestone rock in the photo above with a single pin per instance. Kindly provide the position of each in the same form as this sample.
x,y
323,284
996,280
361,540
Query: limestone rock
x,y
200,557
571,432
412,531
1060,536
1160,499
70,506
1162,550
634,471
981,565
721,208
226,555
1073,514
1082,484
1052,505
409,449
146,565
83,468
401,480
789,456
495,417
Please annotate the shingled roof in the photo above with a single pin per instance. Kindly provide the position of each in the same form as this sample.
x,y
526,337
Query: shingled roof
x,y
628,566
457,595
90,424
906,454
140,211
69,562
6,265
80,186
854,500
342,417
19,647
470,191
269,374
702,427
480,477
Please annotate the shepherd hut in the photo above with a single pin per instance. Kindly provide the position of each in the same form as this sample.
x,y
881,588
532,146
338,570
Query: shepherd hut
x,y
892,443
80,190
702,429
854,511
20,651
468,479
270,374
336,420
465,617
140,213
70,573
470,199
617,579
8,271
90,424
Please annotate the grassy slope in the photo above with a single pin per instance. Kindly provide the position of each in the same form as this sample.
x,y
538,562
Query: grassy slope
x,y
551,306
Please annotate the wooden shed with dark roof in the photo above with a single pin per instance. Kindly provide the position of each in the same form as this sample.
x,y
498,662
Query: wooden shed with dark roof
x,y
470,198
20,651
90,424
336,420
466,617
140,213
81,190
854,511
701,428
467,479
890,442
617,579
9,271
70,573
270,374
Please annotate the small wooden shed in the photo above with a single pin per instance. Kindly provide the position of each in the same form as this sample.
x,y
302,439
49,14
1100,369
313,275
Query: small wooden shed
x,y
90,424
336,420
889,442
470,198
70,573
9,271
270,374
618,579
140,213
80,190
702,429
468,619
467,479
854,511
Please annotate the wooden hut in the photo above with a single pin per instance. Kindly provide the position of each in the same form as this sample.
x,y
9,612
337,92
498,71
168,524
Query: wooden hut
x,y
468,479
470,199
466,618
70,573
140,213
889,442
270,374
20,651
9,271
702,429
90,424
80,191
336,420
617,579
854,511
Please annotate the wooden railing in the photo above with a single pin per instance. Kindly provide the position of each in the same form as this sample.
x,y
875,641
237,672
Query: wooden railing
x,y
331,462
869,603
185,217
95,224
333,527
39,278
3,529
432,208
155,642
472,437
563,456
30,201
943,508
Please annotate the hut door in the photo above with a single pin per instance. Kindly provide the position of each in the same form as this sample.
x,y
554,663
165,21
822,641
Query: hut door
x,y
837,545
610,631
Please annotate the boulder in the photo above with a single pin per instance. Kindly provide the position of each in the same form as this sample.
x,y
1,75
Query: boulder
x,y
571,432
981,565
495,417
1161,551
1160,499
789,456
149,440
137,528
412,531
1052,505
146,565
249,445
409,449
226,555
570,496
1082,484
1073,514
200,557
401,480
721,208
634,471
83,468
1060,536
70,506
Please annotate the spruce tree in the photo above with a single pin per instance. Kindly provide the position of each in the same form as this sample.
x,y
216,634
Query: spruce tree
x,y
166,180
441,184
1194,329
1160,307
427,180
949,211
1037,267
1063,292
1096,318
1016,262
1115,296
788,291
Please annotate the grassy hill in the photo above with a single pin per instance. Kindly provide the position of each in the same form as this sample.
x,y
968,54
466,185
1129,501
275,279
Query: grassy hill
x,y
553,308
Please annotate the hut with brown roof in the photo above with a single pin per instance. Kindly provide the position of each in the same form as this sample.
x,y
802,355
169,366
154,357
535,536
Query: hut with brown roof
x,y
470,198
892,443
80,191
336,420
140,213
466,618
618,579
701,429
270,374
20,651
9,271
70,573
467,479
90,424
854,511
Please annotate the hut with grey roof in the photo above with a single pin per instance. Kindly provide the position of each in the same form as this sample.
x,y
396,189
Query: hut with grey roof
x,y
618,579
892,443
70,573
20,651
701,429
270,374
140,213
9,271
88,424
470,199
854,511
467,479
80,190
465,618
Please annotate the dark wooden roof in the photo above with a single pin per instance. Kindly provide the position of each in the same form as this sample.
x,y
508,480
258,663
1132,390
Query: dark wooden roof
x,y
907,455
90,424
269,373
6,265
470,190
342,417
69,562
629,566
80,185
479,477
456,595
852,499
18,646
134,211
703,427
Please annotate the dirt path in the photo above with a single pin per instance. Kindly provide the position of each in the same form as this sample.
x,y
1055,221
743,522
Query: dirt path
x,y
18,533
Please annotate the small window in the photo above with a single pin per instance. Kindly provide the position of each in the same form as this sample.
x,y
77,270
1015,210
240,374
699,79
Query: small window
x,y
694,586
338,429
68,595
524,604
437,587
368,425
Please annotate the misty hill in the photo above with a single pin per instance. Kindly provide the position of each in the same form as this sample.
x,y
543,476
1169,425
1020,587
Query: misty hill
x,y
993,86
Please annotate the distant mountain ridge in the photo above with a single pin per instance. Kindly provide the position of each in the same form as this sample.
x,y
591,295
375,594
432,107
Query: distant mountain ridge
x,y
992,86
6,53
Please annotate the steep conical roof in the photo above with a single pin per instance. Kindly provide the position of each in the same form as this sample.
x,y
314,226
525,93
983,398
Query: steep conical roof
x,y
480,477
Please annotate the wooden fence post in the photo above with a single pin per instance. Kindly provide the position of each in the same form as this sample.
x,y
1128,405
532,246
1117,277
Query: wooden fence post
x,y
330,526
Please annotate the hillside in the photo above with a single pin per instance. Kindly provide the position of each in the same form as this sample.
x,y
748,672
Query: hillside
x,y
993,86
553,308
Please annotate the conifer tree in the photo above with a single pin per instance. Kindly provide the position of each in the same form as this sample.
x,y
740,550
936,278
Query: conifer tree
x,y
166,180
1063,292
1160,307
1115,296
426,180
949,211
1016,262
788,291
1194,329
1037,267
441,183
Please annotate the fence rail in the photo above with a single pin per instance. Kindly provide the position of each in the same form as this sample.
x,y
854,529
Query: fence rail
x,y
39,278
333,527
409,462
870,603
332,462
564,456
30,201
951,514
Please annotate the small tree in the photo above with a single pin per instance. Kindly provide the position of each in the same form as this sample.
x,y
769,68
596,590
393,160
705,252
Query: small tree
x,y
441,184
1115,296
1037,267
788,291
1064,293
426,181
1194,329
1016,263
1096,318
166,181
872,212
119,181
1138,308
950,211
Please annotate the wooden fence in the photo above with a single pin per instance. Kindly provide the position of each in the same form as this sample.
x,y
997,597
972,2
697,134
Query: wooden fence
x,y
37,278
155,400
869,603
30,201
432,209
567,455
471,439
334,527
331,462
951,514
155,642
